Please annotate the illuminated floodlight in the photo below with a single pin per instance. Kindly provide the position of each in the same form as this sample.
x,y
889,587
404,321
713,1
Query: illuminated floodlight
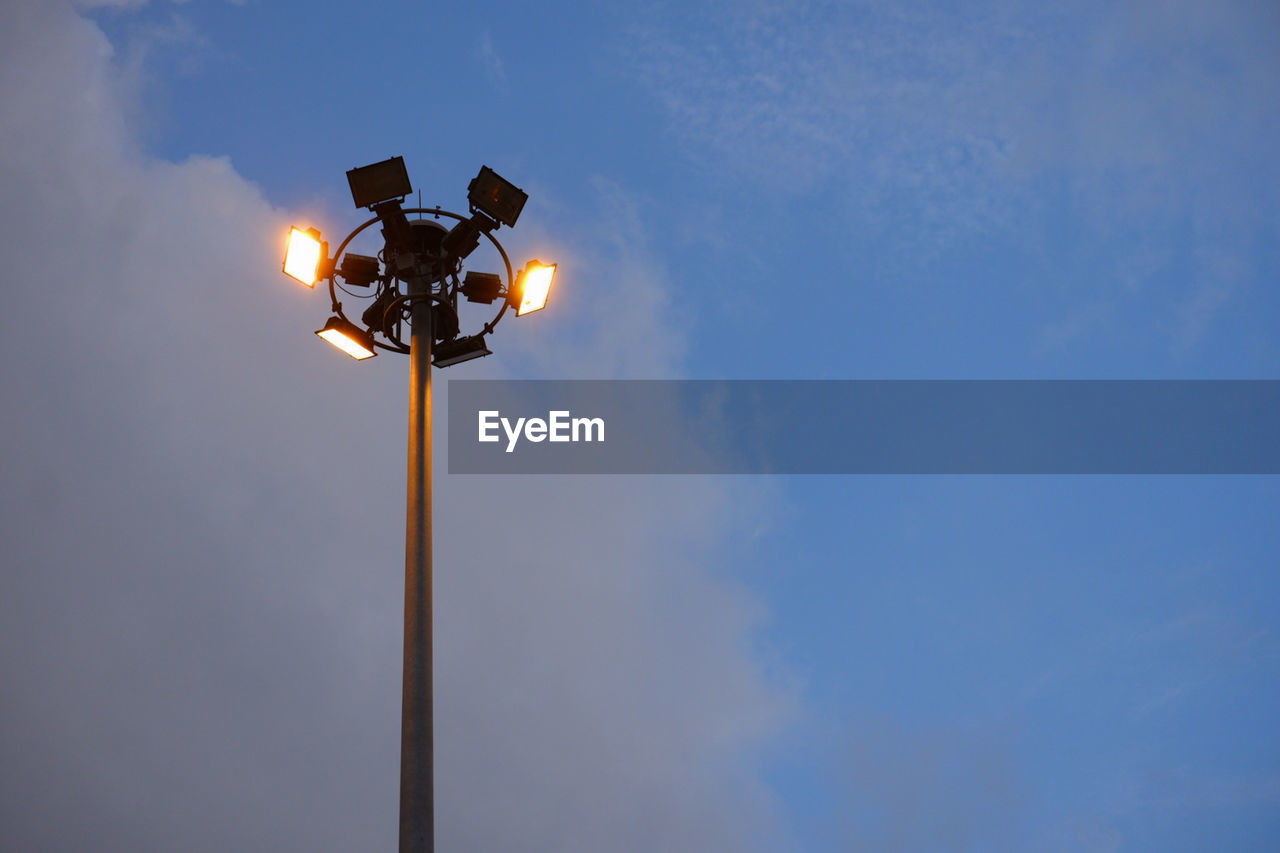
x,y
533,286
463,349
303,255
495,196
378,182
348,337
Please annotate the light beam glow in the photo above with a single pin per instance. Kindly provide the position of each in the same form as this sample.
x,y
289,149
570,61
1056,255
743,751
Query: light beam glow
x,y
535,287
348,338
302,255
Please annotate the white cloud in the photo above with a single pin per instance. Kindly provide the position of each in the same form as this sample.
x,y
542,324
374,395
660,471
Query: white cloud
x,y
201,602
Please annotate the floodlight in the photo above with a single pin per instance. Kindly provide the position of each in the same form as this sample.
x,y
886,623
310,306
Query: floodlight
x,y
463,349
494,195
348,337
359,270
376,316
379,182
444,321
395,225
532,287
463,238
304,254
481,287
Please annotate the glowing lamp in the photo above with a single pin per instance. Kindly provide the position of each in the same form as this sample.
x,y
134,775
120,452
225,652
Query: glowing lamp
x,y
304,254
349,338
532,287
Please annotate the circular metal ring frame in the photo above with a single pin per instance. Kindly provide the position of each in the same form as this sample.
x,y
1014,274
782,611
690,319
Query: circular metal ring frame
x,y
436,212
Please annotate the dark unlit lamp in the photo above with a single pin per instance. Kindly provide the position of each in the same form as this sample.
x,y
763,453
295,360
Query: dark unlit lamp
x,y
379,182
495,196
482,287
359,270
463,238
348,337
533,286
376,316
304,254
463,349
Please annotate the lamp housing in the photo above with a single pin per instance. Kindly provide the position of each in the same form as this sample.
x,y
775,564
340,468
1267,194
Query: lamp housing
x,y
532,287
305,256
444,321
460,350
482,287
464,237
348,337
359,270
495,196
376,316
397,235
378,182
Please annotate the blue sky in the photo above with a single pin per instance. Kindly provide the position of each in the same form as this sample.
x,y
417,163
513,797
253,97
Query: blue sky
x,y
734,190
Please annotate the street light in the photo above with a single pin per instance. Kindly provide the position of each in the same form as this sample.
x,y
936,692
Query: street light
x,y
414,279
379,182
533,286
458,351
348,337
497,197
303,255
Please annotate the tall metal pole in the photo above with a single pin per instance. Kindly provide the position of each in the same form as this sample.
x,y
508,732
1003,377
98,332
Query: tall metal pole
x,y
417,784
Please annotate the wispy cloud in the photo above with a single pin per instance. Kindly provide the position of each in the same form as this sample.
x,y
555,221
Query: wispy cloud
x,y
879,100
1132,142
492,61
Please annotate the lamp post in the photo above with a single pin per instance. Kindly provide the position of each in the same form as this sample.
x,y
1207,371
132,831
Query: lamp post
x,y
414,281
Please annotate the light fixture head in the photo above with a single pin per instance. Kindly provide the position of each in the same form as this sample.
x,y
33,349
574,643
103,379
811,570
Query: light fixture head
x,y
348,337
532,287
482,287
463,238
378,315
379,182
305,255
444,321
397,232
359,270
460,350
496,197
